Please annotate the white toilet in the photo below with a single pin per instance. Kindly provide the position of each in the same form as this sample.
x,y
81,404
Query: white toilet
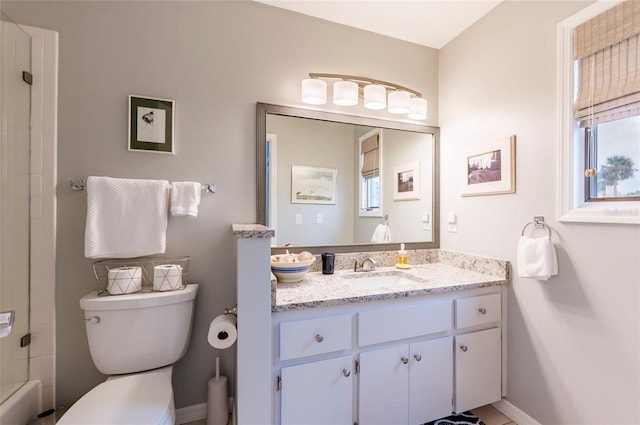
x,y
136,338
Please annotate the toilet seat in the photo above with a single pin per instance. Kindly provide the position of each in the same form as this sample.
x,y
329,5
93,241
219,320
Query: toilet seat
x,y
145,398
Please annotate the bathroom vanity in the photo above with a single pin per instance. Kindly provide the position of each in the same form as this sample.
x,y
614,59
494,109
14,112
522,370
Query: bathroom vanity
x,y
402,347
388,346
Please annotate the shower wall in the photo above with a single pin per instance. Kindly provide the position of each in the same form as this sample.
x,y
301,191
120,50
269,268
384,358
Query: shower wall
x,y
44,129
15,111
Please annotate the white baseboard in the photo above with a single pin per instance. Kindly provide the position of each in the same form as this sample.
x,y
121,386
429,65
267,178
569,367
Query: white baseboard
x,y
515,414
193,413
196,412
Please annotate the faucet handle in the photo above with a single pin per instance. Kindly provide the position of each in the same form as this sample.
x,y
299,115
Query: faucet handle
x,y
370,261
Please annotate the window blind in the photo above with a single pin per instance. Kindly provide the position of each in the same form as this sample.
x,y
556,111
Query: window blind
x,y
607,49
370,149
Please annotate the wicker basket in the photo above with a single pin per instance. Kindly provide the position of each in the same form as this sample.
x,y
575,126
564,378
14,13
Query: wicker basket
x,y
156,274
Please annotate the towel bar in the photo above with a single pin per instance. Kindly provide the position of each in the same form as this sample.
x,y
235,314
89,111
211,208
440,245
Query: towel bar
x,y
538,222
82,185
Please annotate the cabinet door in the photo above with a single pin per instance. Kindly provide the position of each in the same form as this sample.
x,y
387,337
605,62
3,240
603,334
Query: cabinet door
x,y
383,388
478,369
430,380
319,392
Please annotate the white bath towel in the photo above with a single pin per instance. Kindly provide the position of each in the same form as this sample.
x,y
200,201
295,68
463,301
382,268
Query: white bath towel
x,y
382,233
125,218
537,258
185,198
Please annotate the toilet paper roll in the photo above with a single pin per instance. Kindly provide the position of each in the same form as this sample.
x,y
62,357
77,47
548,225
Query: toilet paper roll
x,y
222,331
167,277
124,280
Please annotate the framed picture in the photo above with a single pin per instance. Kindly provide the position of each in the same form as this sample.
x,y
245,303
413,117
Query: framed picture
x,y
491,169
151,124
406,182
313,185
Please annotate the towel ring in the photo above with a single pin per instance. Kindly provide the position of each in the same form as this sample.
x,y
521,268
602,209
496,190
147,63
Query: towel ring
x,y
538,222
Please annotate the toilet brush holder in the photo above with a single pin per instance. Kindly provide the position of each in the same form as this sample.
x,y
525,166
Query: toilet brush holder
x,y
217,405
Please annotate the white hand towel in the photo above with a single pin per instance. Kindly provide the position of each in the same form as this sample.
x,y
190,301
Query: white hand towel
x,y
125,218
537,258
382,233
185,198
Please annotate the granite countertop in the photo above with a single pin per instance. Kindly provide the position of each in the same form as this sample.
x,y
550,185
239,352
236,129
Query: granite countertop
x,y
456,272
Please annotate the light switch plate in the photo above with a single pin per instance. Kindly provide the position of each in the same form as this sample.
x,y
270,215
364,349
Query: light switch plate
x,y
298,218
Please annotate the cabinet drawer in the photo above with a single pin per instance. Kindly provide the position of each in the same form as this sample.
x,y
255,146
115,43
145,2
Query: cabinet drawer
x,y
479,310
303,338
390,324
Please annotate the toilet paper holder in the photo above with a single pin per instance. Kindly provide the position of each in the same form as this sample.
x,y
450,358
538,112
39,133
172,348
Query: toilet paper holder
x,y
233,310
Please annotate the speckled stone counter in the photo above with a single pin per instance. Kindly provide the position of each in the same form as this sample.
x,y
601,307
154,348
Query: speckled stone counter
x,y
439,271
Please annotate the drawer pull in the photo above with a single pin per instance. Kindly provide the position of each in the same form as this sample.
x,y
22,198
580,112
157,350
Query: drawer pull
x,y
418,357
346,373
482,310
404,360
464,348
319,338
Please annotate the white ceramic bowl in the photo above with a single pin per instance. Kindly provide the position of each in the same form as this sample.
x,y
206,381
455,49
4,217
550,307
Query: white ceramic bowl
x,y
289,272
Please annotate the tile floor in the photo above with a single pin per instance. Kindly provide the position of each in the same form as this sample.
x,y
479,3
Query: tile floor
x,y
489,415
492,416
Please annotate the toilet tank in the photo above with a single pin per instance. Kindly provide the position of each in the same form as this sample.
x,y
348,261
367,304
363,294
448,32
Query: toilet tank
x,y
137,332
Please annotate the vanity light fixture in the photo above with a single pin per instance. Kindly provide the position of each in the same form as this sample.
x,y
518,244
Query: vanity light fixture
x,y
314,91
345,93
375,93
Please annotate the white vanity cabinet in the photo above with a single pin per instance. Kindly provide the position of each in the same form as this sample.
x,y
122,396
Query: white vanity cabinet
x,y
316,391
406,383
397,361
319,392
478,354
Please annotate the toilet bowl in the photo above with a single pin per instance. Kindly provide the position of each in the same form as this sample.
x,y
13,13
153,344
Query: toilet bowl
x,y
137,399
137,337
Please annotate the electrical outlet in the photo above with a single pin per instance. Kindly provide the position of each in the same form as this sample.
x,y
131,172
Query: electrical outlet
x,y
453,228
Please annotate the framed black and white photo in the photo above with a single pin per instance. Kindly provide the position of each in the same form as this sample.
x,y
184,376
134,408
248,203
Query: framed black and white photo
x,y
406,184
151,124
490,169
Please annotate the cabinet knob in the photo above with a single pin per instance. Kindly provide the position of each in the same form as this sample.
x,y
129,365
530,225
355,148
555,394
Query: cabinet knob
x,y
464,348
404,360
319,338
482,310
418,357
346,373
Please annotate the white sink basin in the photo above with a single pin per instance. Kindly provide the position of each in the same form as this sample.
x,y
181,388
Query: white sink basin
x,y
370,281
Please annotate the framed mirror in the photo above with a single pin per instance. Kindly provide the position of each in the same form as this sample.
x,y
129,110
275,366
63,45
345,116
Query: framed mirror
x,y
342,183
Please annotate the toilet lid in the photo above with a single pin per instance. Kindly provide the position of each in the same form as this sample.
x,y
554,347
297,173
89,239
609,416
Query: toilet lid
x,y
134,399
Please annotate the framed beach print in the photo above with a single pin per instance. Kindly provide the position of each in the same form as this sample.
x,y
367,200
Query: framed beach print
x,y
151,124
490,169
406,182
313,185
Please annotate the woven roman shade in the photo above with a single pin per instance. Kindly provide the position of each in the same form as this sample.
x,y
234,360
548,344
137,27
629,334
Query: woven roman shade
x,y
607,48
370,149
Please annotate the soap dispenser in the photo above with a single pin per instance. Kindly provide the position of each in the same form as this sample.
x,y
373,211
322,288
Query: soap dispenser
x,y
403,258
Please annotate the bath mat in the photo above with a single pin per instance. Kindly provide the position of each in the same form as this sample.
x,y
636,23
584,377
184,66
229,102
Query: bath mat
x,y
464,418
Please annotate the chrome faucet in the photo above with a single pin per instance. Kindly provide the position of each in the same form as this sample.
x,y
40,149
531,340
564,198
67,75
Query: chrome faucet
x,y
363,266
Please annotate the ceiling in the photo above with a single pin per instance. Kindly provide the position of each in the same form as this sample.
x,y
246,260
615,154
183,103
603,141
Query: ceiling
x,y
431,23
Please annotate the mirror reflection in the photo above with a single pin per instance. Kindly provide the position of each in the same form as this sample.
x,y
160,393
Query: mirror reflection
x,y
328,180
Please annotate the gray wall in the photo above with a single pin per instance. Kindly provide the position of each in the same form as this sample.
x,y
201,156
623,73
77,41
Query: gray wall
x,y
573,341
216,60
321,144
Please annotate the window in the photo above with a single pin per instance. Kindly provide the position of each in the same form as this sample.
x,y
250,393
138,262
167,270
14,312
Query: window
x,y
612,161
371,195
599,97
370,148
